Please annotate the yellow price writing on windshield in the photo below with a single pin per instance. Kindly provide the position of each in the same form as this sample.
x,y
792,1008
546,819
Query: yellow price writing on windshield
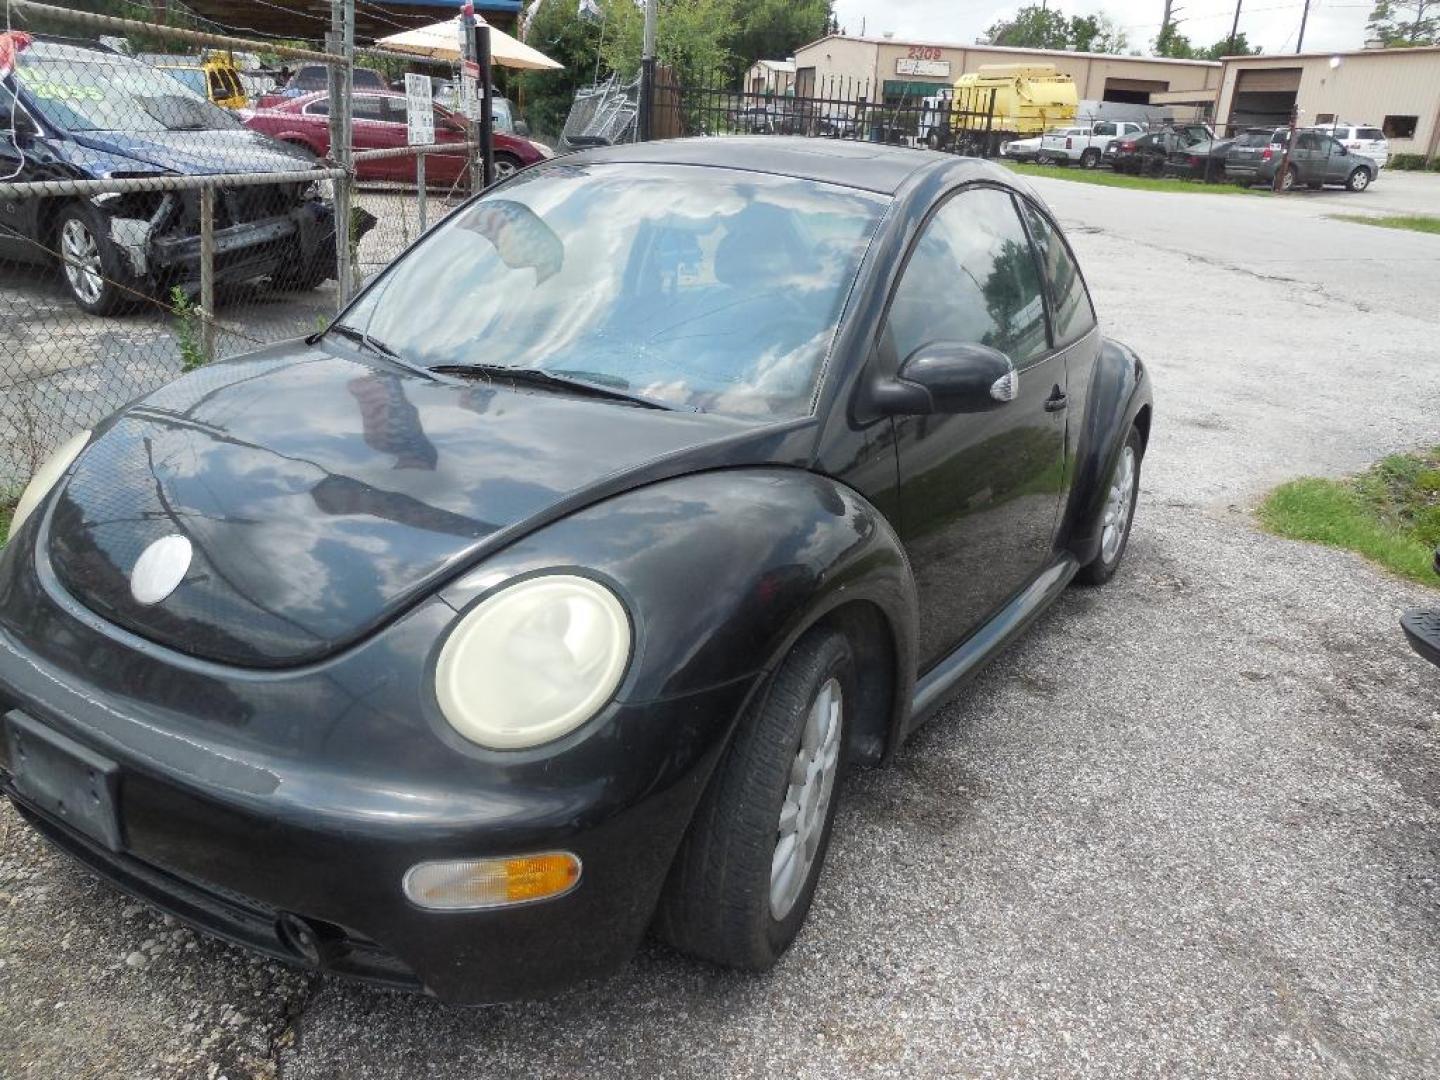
x,y
60,91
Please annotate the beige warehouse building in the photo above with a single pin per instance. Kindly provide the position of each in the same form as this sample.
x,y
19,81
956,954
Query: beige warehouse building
x,y
1396,90
891,69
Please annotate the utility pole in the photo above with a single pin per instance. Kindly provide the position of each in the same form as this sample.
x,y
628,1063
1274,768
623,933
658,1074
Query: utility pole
x,y
1304,15
1234,30
340,81
647,72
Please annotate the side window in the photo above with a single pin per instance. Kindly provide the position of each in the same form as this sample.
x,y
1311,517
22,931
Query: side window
x,y
971,278
318,108
1333,147
1369,133
368,107
1074,315
1104,129
1308,140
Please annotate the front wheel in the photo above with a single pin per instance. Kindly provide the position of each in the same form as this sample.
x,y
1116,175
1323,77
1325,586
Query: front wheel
x,y
1359,180
506,166
91,263
1118,514
744,877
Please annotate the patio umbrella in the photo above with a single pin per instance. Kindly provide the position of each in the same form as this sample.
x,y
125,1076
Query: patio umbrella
x,y
441,41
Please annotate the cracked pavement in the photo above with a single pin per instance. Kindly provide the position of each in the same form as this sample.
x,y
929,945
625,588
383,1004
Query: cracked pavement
x,y
1188,826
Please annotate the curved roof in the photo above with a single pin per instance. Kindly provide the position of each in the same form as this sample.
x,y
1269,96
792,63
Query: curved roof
x,y
869,166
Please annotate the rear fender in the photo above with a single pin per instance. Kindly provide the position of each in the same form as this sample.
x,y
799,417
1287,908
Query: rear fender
x,y
1118,398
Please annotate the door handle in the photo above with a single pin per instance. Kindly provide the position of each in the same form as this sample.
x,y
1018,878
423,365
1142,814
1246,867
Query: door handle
x,y
1056,401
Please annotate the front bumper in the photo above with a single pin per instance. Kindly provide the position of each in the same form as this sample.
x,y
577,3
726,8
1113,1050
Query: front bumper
x,y
252,803
250,249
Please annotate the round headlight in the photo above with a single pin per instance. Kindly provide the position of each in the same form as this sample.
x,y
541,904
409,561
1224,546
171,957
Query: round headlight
x,y
533,662
45,478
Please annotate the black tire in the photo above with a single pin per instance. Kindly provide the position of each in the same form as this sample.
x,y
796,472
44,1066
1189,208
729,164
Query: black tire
x,y
507,165
717,901
1102,568
1290,179
1359,180
116,291
1089,158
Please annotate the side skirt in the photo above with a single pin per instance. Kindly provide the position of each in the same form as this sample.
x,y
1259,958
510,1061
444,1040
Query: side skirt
x,y
980,647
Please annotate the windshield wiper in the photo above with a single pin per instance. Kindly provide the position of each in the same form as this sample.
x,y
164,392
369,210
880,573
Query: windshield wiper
x,y
378,347
595,385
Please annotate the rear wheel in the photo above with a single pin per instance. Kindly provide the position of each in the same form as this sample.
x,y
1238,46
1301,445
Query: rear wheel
x,y
1359,180
1289,179
1119,512
746,872
1090,158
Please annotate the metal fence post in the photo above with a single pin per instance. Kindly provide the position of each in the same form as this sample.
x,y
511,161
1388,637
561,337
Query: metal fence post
x,y
487,118
420,190
341,40
647,73
207,272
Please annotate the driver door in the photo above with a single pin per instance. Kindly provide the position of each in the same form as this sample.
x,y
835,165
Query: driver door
x,y
978,492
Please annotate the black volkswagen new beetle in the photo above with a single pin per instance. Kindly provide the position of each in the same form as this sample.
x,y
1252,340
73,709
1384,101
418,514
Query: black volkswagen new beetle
x,y
543,598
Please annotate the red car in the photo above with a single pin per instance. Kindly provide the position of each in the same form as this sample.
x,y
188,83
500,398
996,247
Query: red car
x,y
379,124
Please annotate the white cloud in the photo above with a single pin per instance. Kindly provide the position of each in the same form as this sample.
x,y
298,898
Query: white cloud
x,y
1272,24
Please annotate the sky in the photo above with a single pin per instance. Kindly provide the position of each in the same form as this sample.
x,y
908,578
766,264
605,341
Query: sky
x,y
1272,24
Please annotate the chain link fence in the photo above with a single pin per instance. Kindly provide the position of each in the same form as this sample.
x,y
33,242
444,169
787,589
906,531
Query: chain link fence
x,y
161,210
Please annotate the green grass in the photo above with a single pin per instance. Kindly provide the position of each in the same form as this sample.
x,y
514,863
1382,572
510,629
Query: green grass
x,y
1390,513
7,507
1108,177
1412,222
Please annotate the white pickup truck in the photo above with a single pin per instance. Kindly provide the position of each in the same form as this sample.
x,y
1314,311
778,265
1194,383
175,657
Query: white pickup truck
x,y
1085,143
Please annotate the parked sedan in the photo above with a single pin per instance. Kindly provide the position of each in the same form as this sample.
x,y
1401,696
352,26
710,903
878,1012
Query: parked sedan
x,y
1200,161
1021,149
379,123
1143,155
72,112
548,594
1316,160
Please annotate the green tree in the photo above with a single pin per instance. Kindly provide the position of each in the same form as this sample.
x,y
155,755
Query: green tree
x,y
1403,23
774,29
1034,27
1170,42
557,29
1225,47
1037,26
692,36
1097,33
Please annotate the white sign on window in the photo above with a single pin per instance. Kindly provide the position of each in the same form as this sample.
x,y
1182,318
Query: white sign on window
x,y
907,65
419,111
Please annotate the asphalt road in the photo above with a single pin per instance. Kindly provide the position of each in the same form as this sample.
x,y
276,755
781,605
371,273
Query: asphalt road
x,y
1189,826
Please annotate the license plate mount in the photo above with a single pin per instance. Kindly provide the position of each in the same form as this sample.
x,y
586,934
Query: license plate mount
x,y
63,779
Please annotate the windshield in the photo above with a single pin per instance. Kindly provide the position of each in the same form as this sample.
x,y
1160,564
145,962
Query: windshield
x,y
710,289
192,79
122,96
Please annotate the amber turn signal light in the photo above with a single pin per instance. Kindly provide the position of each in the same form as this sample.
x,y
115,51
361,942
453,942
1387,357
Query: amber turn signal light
x,y
477,884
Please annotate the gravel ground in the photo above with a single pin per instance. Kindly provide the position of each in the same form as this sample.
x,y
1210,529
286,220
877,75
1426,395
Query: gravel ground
x,y
1187,827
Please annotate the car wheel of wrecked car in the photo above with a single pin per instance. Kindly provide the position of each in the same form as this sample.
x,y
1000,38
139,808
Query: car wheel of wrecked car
x,y
1359,180
744,878
90,264
1119,512
506,166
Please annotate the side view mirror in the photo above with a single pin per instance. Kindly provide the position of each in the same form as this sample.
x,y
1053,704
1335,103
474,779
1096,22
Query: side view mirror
x,y
949,377
522,129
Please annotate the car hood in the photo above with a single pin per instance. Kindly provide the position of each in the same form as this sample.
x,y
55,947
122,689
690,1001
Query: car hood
x,y
322,494
196,153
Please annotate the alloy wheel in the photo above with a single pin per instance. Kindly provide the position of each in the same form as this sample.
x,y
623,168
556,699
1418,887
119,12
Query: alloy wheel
x,y
82,261
1116,521
807,799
